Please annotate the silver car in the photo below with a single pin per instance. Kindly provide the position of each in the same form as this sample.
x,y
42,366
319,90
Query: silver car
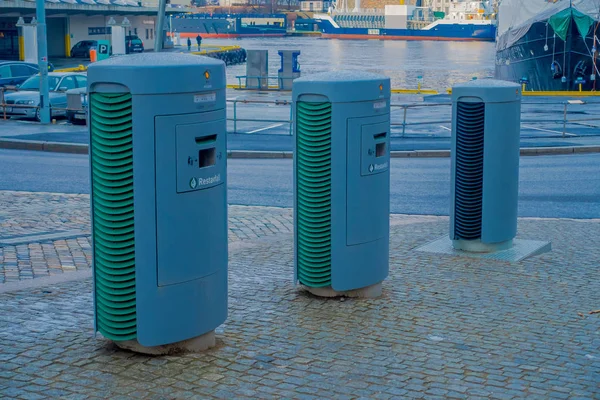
x,y
26,101
77,101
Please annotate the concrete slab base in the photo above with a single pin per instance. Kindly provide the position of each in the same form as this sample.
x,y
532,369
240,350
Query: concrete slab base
x,y
193,345
368,292
477,246
520,250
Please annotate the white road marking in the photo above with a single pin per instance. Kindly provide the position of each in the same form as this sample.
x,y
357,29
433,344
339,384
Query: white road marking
x,y
548,130
529,127
265,128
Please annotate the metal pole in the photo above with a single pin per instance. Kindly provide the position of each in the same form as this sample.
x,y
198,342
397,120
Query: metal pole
x,y
43,62
565,120
235,116
160,26
291,119
404,121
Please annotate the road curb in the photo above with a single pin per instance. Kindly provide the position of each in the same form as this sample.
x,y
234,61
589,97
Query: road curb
x,y
258,154
420,154
75,148
34,145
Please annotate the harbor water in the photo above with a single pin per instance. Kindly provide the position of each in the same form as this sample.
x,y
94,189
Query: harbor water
x,y
441,64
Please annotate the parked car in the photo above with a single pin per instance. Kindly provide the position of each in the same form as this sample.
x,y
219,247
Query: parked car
x,y
74,116
82,48
133,44
26,101
13,73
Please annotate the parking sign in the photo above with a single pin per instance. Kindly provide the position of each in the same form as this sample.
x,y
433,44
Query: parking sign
x,y
103,49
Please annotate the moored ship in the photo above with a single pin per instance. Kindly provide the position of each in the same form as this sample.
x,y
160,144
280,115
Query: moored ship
x,y
549,45
466,21
229,25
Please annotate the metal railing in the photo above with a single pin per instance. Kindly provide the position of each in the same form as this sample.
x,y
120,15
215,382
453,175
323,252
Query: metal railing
x,y
262,81
405,107
564,120
235,119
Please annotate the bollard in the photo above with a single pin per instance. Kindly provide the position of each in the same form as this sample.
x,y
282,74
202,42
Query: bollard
x,y
257,69
485,165
159,210
342,183
289,68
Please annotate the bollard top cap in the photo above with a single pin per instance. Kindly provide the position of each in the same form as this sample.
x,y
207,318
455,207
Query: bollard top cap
x,y
158,73
487,90
155,60
342,76
343,86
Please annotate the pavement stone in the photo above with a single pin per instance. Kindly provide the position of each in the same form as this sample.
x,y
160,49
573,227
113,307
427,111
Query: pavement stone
x,y
25,216
445,326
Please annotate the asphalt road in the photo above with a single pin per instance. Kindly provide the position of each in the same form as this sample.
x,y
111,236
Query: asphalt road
x,y
550,186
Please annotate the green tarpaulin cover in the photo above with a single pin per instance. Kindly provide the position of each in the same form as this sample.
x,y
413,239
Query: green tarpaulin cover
x,y
560,22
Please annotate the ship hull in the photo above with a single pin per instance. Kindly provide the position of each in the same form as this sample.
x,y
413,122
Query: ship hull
x,y
527,61
400,37
442,32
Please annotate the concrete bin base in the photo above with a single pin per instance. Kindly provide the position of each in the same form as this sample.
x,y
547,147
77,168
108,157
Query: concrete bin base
x,y
368,292
194,345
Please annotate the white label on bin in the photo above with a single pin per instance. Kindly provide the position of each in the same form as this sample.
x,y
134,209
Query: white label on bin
x,y
379,104
379,167
209,181
205,98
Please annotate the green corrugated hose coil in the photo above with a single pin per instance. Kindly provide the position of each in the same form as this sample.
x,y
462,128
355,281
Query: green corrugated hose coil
x,y
112,199
313,179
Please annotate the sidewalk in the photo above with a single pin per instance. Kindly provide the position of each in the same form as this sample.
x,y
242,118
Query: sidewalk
x,y
445,327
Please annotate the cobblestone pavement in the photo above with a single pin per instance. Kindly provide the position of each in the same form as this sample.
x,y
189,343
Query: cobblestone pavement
x,y
445,327
44,234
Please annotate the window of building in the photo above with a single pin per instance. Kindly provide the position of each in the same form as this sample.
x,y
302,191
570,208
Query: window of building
x,y
147,34
151,33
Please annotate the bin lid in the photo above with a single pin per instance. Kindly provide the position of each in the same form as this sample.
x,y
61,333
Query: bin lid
x,y
159,73
488,90
343,86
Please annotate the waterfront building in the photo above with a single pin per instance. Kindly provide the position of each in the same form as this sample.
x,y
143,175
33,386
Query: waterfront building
x,y
77,20
315,5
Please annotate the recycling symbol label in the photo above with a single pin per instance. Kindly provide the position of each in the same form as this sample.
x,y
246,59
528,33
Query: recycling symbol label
x,y
371,168
193,183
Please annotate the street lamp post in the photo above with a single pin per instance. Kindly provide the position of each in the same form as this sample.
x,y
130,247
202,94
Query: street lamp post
x,y
43,62
160,26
